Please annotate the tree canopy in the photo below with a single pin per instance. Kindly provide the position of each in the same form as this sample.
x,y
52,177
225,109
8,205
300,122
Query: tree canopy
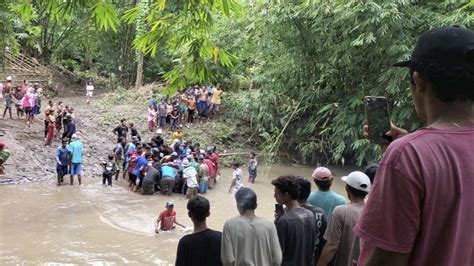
x,y
299,68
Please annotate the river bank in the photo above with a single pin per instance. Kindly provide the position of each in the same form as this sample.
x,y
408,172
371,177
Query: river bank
x,y
31,161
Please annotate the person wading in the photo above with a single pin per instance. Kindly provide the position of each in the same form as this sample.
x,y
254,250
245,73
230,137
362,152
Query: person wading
x,y
76,150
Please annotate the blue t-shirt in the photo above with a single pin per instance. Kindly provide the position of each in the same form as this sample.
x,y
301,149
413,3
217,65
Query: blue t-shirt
x,y
61,154
142,162
153,102
167,172
326,200
210,89
75,148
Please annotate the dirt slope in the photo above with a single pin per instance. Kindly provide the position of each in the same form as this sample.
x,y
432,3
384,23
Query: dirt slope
x,y
32,161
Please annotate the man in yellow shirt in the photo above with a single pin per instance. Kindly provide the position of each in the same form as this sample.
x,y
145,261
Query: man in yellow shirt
x,y
216,100
178,134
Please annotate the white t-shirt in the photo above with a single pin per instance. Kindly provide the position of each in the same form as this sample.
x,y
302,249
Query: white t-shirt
x,y
189,173
89,88
237,178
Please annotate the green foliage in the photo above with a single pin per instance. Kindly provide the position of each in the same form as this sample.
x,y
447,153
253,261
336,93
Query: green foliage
x,y
327,55
184,28
300,67
105,15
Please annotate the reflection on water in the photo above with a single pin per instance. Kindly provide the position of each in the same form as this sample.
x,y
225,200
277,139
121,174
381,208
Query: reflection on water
x,y
43,223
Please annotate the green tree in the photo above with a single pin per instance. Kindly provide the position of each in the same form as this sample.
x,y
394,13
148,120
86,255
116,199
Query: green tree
x,y
315,60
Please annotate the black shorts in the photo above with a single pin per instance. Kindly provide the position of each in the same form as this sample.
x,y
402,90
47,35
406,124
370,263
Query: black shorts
x,y
132,178
27,110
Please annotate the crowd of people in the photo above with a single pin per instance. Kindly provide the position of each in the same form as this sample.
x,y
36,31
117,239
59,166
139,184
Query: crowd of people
x,y
414,208
418,212
25,98
197,101
301,234
160,165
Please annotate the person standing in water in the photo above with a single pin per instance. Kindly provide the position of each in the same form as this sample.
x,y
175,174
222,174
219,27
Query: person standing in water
x,y
252,168
62,160
167,219
237,181
76,150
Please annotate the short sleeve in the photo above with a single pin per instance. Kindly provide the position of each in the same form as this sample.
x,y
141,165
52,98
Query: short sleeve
x,y
334,230
275,245
391,218
227,252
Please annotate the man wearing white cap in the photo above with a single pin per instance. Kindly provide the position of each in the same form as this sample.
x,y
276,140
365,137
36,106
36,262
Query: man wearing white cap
x,y
76,149
342,244
324,198
190,175
157,139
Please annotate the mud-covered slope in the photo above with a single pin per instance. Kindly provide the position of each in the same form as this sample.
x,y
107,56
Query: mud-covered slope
x,y
32,161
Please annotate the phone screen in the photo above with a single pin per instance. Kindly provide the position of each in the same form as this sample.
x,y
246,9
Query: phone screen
x,y
279,209
378,119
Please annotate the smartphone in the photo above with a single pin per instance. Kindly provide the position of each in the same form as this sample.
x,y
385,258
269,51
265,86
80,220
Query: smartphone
x,y
378,119
279,210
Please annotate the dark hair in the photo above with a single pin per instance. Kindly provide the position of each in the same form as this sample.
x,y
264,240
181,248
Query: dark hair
x,y
198,207
304,188
246,199
131,124
235,163
355,192
448,84
287,184
323,185
370,171
110,157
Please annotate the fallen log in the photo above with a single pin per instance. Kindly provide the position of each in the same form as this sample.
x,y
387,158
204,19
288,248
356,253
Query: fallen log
x,y
234,153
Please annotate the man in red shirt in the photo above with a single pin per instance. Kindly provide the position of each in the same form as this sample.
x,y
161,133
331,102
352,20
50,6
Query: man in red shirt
x,y
420,211
167,218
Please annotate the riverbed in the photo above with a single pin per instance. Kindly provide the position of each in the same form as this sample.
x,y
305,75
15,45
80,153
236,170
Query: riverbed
x,y
41,223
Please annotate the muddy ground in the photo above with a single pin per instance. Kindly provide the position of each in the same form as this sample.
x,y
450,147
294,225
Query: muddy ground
x,y
32,161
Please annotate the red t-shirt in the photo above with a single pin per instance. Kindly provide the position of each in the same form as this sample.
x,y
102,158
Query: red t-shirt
x,y
167,219
422,201
212,168
132,161
215,159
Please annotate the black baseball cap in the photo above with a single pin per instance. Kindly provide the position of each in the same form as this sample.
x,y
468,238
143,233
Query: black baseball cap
x,y
451,47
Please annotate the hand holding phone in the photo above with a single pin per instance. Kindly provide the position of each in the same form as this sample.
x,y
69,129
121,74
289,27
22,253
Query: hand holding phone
x,y
378,119
279,210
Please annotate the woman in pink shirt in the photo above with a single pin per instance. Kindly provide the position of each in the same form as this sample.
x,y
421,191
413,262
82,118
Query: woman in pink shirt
x,y
151,118
28,108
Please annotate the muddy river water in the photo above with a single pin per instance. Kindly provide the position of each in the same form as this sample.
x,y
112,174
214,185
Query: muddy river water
x,y
41,223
